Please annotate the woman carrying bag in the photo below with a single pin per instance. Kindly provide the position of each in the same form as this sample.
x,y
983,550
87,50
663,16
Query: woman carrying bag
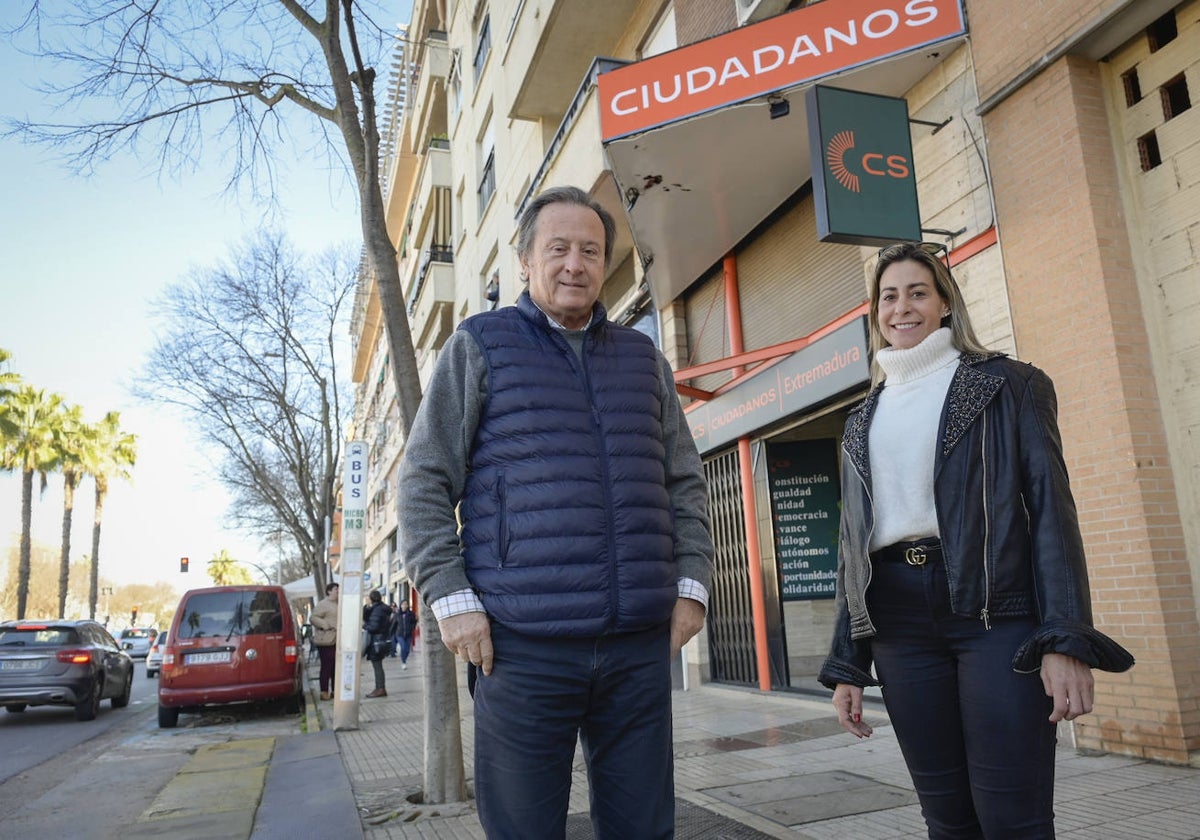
x,y
377,618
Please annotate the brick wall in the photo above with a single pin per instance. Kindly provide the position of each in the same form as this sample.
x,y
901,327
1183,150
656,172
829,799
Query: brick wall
x,y
1068,261
696,20
1006,38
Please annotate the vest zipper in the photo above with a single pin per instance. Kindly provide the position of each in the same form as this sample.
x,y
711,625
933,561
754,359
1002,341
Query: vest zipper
x,y
987,531
502,517
609,541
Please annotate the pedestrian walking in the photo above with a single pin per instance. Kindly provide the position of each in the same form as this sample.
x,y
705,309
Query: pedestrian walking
x,y
961,574
324,622
406,627
393,628
377,618
585,547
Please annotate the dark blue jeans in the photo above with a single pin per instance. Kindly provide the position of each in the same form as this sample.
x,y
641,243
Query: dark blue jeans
x,y
974,733
613,693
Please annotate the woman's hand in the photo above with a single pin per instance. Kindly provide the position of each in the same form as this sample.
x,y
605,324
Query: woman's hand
x,y
1069,682
847,699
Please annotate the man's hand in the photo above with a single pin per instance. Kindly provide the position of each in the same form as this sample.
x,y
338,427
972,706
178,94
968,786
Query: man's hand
x,y
1069,682
469,636
847,699
687,619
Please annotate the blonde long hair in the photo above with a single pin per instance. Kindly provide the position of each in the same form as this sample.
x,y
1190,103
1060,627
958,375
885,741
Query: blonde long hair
x,y
962,334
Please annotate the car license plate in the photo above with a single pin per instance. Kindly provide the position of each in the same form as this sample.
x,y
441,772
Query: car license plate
x,y
20,664
207,658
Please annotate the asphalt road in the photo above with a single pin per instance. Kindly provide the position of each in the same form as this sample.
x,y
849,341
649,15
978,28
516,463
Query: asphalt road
x,y
60,777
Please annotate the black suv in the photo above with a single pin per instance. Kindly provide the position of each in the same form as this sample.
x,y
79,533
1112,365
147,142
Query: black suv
x,y
62,663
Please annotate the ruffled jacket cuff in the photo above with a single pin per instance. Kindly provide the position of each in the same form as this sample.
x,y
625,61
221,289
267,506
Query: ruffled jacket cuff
x,y
1075,639
836,671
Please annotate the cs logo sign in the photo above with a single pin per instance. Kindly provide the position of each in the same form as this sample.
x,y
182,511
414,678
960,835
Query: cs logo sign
x,y
846,163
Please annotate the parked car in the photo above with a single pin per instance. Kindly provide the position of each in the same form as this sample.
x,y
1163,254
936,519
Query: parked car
x,y
154,657
137,640
230,644
62,663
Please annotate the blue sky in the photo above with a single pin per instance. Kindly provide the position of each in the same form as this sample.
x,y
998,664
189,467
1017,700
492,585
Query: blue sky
x,y
83,258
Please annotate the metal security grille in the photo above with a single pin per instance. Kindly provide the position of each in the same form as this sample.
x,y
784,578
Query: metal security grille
x,y
730,623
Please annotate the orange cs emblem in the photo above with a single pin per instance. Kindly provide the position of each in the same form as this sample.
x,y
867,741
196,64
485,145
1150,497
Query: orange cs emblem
x,y
871,163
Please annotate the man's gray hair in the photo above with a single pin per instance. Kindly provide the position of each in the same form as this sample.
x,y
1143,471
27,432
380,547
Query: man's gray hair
x,y
527,226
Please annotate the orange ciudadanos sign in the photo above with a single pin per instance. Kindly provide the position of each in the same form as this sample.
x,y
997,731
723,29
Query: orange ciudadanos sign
x,y
801,46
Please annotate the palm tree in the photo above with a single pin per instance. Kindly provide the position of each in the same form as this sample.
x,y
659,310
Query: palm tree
x,y
29,421
112,453
226,571
8,380
74,437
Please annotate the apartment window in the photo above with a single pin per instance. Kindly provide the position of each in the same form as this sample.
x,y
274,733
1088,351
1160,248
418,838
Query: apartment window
x,y
491,291
483,46
1148,151
486,151
1133,88
455,84
1175,98
1162,32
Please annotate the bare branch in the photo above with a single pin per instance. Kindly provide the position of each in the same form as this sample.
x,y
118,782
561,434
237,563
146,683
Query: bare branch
x,y
249,355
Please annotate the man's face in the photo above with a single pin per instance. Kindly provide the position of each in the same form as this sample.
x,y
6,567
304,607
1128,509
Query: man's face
x,y
565,265
333,593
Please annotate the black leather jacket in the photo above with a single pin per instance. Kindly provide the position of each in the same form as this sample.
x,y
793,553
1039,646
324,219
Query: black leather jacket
x,y
1009,530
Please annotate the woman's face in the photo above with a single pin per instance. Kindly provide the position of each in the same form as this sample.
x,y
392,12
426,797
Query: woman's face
x,y
910,307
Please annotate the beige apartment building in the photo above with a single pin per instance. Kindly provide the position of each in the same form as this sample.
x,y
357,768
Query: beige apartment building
x,y
1055,154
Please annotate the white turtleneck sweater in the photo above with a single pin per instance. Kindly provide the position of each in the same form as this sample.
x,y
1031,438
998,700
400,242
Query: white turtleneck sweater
x,y
903,438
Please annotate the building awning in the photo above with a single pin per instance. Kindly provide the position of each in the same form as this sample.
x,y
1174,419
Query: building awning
x,y
690,135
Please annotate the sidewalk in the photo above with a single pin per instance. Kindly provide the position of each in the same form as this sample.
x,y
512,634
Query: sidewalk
x,y
750,766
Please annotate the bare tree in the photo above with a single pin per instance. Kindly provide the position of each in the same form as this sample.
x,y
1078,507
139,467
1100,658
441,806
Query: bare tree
x,y
249,353
178,75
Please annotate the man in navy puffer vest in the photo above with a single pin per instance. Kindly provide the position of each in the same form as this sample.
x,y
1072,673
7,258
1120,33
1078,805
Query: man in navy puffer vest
x,y
584,555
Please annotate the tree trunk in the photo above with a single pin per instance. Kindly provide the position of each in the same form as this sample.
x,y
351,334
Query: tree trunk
x,y
445,779
64,564
443,736
94,584
26,543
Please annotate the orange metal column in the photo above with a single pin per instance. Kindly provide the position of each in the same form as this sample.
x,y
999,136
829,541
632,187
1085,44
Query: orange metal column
x,y
733,309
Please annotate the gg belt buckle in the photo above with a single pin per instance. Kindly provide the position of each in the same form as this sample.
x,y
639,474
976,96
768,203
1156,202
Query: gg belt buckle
x,y
915,556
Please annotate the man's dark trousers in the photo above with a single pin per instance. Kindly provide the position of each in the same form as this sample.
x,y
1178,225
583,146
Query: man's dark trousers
x,y
613,693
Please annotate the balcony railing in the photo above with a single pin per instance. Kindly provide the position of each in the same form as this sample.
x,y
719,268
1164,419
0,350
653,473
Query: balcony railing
x,y
599,65
434,254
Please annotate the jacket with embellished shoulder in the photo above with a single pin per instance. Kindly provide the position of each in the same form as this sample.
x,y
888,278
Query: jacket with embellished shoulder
x,y
568,525
1009,530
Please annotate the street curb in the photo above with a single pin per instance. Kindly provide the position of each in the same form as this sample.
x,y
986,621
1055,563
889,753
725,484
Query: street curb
x,y
312,712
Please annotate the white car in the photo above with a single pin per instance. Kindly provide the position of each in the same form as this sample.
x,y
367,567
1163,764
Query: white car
x,y
136,641
154,656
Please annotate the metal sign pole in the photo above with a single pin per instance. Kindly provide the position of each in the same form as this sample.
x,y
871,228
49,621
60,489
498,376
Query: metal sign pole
x,y
349,636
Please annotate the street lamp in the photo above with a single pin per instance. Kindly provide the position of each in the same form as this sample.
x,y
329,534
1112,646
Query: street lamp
x,y
261,570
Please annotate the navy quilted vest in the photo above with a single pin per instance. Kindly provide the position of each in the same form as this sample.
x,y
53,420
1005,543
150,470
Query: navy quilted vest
x,y
567,523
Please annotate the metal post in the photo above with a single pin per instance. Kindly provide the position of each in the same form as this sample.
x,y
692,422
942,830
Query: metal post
x,y
349,653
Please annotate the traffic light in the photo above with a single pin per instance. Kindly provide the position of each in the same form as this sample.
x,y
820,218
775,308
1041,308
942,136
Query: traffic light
x,y
133,616
183,564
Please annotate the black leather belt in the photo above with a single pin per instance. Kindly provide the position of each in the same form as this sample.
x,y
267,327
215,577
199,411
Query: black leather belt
x,y
916,553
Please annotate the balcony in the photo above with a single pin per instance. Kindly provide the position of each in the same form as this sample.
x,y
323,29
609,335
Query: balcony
x,y
432,297
576,155
426,102
427,199
554,41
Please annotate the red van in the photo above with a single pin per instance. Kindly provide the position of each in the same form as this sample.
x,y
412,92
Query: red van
x,y
230,644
